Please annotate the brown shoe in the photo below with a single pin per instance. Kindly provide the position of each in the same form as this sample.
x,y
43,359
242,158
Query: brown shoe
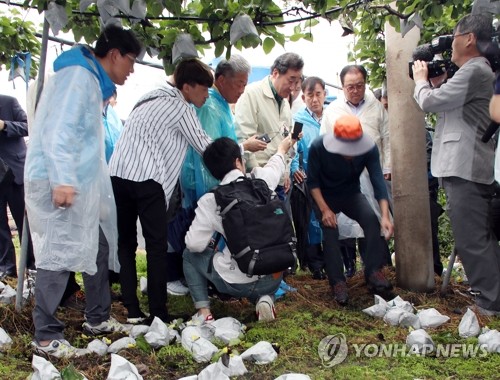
x,y
340,293
75,302
378,283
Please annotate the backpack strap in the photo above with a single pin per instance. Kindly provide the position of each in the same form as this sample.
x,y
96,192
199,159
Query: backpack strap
x,y
252,263
228,207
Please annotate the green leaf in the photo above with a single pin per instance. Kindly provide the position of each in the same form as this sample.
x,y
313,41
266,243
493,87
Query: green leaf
x,y
169,37
142,344
296,37
219,48
70,373
312,22
268,45
437,11
173,6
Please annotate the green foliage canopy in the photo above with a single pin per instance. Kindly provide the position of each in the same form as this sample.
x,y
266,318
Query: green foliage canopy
x,y
209,23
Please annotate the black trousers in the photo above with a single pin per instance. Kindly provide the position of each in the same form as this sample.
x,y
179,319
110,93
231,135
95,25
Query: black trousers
x,y
355,207
13,196
436,211
145,200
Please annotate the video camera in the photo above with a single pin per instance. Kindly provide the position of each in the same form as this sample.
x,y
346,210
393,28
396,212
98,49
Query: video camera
x,y
440,45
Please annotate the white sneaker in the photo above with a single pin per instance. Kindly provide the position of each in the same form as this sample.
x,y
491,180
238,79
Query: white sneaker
x,y
198,320
176,288
265,309
58,349
106,327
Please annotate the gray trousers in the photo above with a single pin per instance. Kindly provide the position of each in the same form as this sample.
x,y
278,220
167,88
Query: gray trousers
x,y
49,289
476,244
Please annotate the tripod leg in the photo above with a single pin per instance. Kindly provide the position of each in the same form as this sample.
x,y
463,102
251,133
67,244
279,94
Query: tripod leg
x,y
447,275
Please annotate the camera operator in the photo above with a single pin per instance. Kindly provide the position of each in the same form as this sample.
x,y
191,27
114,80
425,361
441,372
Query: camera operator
x,y
462,162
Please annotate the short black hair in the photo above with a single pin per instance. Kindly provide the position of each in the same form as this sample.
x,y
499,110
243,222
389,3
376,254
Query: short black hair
x,y
220,156
352,69
287,61
192,71
310,83
115,37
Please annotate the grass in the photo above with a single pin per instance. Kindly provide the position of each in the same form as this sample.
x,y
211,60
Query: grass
x,y
305,318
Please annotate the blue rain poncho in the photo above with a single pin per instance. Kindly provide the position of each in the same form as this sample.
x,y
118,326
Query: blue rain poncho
x,y
217,121
113,127
67,148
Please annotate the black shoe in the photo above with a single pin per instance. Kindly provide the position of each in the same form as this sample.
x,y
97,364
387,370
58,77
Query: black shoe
x,y
350,271
137,317
4,275
318,274
378,283
340,293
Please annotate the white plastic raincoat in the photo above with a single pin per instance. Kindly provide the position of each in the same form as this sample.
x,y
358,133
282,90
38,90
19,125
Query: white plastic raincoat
x,y
67,148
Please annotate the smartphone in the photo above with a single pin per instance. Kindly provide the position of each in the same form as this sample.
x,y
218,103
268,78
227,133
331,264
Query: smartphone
x,y
297,128
265,138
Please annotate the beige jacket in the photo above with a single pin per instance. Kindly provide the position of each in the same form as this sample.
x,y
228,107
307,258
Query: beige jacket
x,y
257,112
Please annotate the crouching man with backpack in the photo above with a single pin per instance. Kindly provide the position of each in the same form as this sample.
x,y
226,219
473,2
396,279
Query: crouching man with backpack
x,y
238,210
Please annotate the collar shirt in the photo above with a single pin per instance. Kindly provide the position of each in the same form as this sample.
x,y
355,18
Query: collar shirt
x,y
155,139
313,115
356,109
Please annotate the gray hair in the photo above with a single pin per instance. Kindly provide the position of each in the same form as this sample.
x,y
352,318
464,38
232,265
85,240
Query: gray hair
x,y
235,65
287,61
480,25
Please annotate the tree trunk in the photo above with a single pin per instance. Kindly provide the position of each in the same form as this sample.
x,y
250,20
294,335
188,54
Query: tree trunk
x,y
412,237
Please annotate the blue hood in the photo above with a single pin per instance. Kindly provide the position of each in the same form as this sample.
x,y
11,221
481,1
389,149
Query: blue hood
x,y
80,55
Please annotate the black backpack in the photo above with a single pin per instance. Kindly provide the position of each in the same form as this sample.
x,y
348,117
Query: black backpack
x,y
258,229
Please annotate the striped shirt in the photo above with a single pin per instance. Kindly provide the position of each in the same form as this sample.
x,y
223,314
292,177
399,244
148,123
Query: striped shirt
x,y
155,139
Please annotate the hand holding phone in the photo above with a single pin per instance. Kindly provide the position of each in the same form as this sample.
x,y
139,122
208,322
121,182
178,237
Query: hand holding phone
x,y
265,138
297,128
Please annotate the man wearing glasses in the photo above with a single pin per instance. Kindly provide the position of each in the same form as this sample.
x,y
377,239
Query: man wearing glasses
x,y
264,109
461,161
374,119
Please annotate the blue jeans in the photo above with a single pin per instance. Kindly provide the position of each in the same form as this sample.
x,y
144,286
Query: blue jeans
x,y
197,274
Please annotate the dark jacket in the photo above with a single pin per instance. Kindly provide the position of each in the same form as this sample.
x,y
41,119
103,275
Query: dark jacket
x,y
12,145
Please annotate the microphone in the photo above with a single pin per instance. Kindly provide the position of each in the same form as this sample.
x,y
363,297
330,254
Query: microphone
x,y
423,53
490,131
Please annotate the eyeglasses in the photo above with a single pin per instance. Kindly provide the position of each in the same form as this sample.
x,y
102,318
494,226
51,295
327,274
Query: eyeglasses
x,y
461,34
131,57
357,86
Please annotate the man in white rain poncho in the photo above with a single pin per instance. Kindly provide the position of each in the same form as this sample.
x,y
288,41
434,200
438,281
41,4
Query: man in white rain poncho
x,y
68,188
